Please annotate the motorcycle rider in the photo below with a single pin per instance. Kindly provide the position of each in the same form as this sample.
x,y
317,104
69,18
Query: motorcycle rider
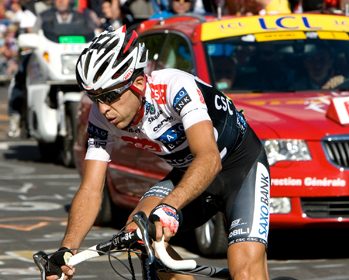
x,y
218,162
61,12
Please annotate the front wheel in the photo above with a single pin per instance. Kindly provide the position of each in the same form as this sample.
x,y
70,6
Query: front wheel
x,y
110,214
211,237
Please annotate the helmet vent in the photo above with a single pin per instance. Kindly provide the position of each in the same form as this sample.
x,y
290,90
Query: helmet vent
x,y
112,45
100,71
122,69
101,43
87,63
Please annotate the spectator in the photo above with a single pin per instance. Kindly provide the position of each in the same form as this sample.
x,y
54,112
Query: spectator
x,y
255,7
61,12
2,11
8,52
114,15
25,18
162,7
111,15
159,6
177,7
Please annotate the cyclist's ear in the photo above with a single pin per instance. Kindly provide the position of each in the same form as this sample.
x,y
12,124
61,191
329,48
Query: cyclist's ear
x,y
139,84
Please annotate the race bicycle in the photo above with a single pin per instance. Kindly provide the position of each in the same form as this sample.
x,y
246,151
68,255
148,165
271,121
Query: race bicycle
x,y
152,255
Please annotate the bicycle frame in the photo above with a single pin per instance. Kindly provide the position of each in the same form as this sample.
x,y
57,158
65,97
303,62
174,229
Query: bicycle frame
x,y
140,240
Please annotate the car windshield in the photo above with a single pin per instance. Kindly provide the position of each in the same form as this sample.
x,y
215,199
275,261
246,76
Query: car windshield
x,y
54,31
245,64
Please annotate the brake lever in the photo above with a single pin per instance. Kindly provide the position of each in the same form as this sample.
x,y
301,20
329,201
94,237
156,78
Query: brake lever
x,y
41,259
46,268
142,222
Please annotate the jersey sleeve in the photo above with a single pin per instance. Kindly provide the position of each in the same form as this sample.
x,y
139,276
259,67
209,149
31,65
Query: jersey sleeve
x,y
99,145
186,99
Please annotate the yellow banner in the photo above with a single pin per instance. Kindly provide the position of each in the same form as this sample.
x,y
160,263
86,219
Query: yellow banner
x,y
273,23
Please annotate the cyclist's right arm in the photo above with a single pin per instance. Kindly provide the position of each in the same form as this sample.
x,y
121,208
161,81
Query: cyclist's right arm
x,y
85,206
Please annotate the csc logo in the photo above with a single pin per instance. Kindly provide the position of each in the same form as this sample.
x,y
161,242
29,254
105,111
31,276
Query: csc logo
x,y
223,103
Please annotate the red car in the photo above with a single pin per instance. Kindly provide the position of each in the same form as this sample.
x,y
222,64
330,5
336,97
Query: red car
x,y
289,73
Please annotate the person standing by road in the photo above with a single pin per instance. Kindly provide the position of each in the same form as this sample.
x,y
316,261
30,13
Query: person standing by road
x,y
218,162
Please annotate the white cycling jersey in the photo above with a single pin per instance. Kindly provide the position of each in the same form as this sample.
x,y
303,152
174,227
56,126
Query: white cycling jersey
x,y
174,101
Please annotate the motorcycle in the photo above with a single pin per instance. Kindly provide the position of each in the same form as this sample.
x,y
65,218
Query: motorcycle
x,y
51,92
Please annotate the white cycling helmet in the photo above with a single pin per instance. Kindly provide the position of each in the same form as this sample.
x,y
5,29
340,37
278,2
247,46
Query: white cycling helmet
x,y
113,59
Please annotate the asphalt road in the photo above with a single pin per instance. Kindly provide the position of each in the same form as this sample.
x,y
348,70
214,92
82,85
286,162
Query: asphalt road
x,y
33,196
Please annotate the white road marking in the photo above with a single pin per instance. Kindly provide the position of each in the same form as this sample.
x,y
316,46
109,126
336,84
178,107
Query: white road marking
x,y
29,206
39,177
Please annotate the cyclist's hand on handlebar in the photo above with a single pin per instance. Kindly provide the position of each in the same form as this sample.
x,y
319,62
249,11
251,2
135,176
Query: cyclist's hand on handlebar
x,y
166,219
57,264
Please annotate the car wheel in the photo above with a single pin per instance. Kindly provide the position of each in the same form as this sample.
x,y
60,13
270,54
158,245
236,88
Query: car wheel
x,y
67,142
110,214
48,151
211,237
104,216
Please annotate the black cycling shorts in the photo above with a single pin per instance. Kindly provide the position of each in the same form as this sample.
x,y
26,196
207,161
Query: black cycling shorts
x,y
241,191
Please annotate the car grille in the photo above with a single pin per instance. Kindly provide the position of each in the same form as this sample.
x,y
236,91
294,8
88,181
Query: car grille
x,y
332,207
337,150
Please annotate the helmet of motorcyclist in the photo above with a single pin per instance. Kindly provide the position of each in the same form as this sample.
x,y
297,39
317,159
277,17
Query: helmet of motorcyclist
x,y
111,62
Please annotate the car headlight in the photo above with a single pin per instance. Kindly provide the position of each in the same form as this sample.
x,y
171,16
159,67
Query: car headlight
x,y
286,149
280,205
68,64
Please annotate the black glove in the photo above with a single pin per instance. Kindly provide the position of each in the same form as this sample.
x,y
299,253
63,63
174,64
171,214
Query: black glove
x,y
57,259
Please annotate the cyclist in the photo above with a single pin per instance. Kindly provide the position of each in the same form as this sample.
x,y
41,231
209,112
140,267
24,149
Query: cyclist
x,y
218,162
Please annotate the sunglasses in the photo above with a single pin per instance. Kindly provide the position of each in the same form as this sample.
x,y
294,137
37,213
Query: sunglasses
x,y
110,96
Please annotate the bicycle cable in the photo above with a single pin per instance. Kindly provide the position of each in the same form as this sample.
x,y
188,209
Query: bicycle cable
x,y
129,269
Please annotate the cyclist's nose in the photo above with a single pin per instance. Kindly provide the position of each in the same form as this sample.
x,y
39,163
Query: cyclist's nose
x,y
103,108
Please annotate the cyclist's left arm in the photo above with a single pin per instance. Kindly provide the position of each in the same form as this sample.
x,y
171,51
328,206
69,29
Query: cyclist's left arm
x,y
200,173
185,99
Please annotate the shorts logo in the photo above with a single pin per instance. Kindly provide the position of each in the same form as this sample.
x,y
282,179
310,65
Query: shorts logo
x,y
264,183
173,137
181,99
235,223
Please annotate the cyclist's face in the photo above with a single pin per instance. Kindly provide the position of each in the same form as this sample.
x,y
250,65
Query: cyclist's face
x,y
121,112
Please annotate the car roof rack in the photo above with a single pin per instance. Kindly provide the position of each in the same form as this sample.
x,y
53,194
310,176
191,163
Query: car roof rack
x,y
187,17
